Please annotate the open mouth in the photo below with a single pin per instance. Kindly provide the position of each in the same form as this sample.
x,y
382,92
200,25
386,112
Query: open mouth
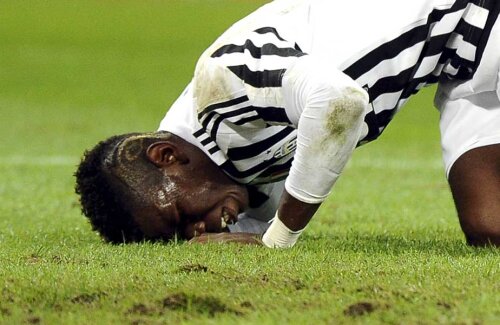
x,y
228,217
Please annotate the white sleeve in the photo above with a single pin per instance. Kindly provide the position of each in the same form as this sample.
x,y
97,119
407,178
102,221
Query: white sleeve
x,y
328,109
248,224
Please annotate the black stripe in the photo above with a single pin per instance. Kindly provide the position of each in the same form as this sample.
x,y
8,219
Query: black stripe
x,y
257,52
275,169
198,133
273,114
436,45
258,79
256,198
381,119
232,102
268,114
215,128
272,30
393,48
257,148
213,150
471,34
220,117
390,84
247,120
206,141
387,51
373,132
206,119
494,7
229,168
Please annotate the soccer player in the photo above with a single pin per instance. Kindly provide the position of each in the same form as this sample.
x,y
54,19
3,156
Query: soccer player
x,y
278,103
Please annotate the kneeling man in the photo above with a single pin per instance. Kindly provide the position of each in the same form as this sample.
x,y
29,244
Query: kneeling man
x,y
278,103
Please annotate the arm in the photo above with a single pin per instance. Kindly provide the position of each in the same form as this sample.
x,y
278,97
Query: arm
x,y
328,109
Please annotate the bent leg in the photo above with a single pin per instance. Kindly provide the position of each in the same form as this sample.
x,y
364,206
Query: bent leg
x,y
470,139
475,184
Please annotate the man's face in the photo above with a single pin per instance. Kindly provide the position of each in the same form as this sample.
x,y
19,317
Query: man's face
x,y
192,198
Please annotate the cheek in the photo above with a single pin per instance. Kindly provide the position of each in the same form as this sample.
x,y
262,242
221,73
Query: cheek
x,y
151,226
199,191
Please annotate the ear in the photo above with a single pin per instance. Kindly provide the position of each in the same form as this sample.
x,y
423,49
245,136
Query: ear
x,y
165,153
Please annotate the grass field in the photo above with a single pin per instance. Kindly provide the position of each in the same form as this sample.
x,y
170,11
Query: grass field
x,y
385,248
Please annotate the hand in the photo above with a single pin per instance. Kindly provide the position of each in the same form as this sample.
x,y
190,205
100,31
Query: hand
x,y
227,237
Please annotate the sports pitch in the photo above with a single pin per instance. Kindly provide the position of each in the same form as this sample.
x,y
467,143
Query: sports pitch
x,y
385,248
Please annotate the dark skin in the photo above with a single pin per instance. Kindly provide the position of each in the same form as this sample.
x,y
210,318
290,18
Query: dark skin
x,y
475,185
202,195
474,181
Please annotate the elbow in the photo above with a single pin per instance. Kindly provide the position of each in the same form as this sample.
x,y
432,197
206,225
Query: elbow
x,y
346,111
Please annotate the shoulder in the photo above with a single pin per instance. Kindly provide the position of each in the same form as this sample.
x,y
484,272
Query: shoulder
x,y
213,83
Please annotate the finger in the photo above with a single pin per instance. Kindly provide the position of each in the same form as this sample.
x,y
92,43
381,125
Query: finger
x,y
199,228
194,229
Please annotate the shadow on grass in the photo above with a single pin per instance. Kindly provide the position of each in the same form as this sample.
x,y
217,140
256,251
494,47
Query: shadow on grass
x,y
389,244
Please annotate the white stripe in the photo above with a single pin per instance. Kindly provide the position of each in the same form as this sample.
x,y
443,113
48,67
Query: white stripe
x,y
265,97
476,16
392,67
243,165
409,57
464,49
447,24
242,116
386,101
450,70
438,69
223,110
427,66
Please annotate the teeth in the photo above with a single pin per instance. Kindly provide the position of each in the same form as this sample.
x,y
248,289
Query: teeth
x,y
225,216
223,223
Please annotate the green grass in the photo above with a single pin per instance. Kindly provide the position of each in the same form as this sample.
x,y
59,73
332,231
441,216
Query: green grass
x,y
386,245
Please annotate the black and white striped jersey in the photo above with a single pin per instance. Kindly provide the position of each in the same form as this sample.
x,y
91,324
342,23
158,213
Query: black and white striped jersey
x,y
235,108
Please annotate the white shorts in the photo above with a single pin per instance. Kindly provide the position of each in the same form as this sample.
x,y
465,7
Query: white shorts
x,y
470,111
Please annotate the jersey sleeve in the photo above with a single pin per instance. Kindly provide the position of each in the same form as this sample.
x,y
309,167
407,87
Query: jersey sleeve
x,y
257,218
327,108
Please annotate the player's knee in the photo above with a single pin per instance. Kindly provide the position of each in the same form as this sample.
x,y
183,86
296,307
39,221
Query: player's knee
x,y
483,230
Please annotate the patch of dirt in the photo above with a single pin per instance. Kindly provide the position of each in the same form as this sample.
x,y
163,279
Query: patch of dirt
x,y
34,259
141,309
247,304
359,309
57,259
193,268
5,311
444,305
33,320
87,298
175,301
139,322
201,305
297,284
206,305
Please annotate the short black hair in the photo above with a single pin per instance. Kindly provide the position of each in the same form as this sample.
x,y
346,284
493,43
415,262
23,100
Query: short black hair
x,y
101,200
